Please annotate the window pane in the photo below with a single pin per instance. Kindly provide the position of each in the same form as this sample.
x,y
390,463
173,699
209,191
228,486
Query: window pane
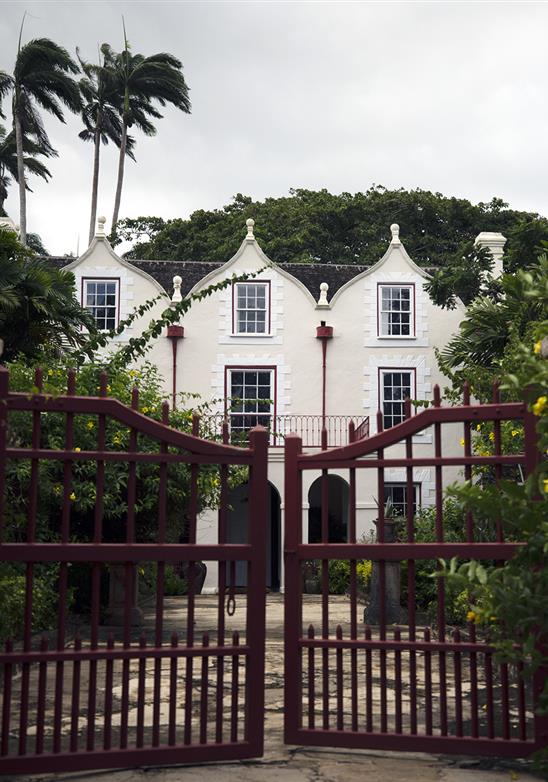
x,y
251,308
395,388
397,494
395,301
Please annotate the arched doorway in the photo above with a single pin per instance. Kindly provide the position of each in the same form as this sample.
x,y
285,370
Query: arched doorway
x,y
238,524
337,510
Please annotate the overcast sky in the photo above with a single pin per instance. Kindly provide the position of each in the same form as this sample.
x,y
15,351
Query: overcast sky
x,y
446,96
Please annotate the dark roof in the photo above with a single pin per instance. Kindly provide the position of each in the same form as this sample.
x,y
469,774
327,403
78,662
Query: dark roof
x,y
191,272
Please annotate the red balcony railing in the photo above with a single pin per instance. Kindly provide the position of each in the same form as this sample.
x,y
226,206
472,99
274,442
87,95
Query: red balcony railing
x,y
308,427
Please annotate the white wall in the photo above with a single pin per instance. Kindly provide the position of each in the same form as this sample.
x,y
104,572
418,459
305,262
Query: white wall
x,y
354,355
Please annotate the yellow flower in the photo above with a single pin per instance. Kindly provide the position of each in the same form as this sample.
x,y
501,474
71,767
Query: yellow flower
x,y
108,389
72,496
57,488
471,616
50,372
545,484
90,425
514,432
77,450
491,436
539,405
462,441
538,347
492,618
145,409
478,427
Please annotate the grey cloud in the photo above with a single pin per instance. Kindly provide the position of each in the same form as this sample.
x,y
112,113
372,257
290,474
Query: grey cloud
x,y
444,96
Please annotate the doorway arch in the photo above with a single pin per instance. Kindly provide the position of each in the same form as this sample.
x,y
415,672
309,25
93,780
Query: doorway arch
x,y
238,529
337,510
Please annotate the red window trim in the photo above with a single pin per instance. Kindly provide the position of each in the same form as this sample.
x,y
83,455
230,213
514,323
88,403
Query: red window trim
x,y
396,285
117,280
380,370
253,367
269,307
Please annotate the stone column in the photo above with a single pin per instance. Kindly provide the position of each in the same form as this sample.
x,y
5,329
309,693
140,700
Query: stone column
x,y
116,597
393,612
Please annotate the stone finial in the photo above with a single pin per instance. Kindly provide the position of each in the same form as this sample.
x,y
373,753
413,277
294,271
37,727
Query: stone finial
x,y
395,231
322,301
250,224
101,226
177,297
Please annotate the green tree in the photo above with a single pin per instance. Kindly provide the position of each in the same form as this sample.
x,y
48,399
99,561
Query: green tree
x,y
8,162
37,303
142,81
42,78
510,601
488,344
318,227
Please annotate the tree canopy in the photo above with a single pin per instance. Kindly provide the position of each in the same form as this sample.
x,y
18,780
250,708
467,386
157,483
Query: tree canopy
x,y
38,307
319,227
489,343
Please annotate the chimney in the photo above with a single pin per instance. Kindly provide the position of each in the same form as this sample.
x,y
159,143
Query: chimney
x,y
495,243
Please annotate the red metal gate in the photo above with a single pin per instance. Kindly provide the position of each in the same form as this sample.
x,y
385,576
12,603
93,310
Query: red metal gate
x,y
403,686
188,684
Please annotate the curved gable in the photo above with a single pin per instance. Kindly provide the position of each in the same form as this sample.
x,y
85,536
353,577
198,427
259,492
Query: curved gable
x,y
250,241
100,243
395,246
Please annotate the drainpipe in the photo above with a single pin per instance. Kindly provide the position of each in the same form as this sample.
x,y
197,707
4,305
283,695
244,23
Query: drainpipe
x,y
175,333
325,333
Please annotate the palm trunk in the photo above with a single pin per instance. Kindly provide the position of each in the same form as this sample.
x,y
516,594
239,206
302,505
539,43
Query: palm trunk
x,y
121,162
94,185
21,178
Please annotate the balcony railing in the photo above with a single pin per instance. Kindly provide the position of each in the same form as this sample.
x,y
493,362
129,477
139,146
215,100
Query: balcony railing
x,y
308,427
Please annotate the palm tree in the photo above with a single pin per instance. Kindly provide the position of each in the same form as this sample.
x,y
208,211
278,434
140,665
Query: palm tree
x,y
101,117
41,78
38,306
142,80
8,161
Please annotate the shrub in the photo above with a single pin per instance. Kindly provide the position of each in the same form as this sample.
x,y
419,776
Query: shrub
x,y
339,576
44,599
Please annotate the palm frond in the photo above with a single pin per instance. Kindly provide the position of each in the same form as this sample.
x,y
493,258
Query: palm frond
x,y
6,84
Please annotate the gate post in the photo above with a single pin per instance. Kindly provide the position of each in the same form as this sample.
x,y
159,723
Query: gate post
x,y
293,588
256,589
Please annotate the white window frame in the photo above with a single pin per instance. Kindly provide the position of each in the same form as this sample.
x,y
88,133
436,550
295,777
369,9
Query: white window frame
x,y
91,308
412,386
264,417
236,309
380,311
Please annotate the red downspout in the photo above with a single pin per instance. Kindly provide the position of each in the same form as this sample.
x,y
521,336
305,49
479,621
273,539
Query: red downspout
x,y
175,333
325,333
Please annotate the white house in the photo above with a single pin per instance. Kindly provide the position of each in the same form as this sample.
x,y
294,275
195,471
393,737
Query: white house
x,y
318,343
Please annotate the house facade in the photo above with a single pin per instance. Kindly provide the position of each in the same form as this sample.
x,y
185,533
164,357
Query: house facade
x,y
297,348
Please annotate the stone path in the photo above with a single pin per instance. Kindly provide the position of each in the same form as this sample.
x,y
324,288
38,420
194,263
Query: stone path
x,y
282,763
